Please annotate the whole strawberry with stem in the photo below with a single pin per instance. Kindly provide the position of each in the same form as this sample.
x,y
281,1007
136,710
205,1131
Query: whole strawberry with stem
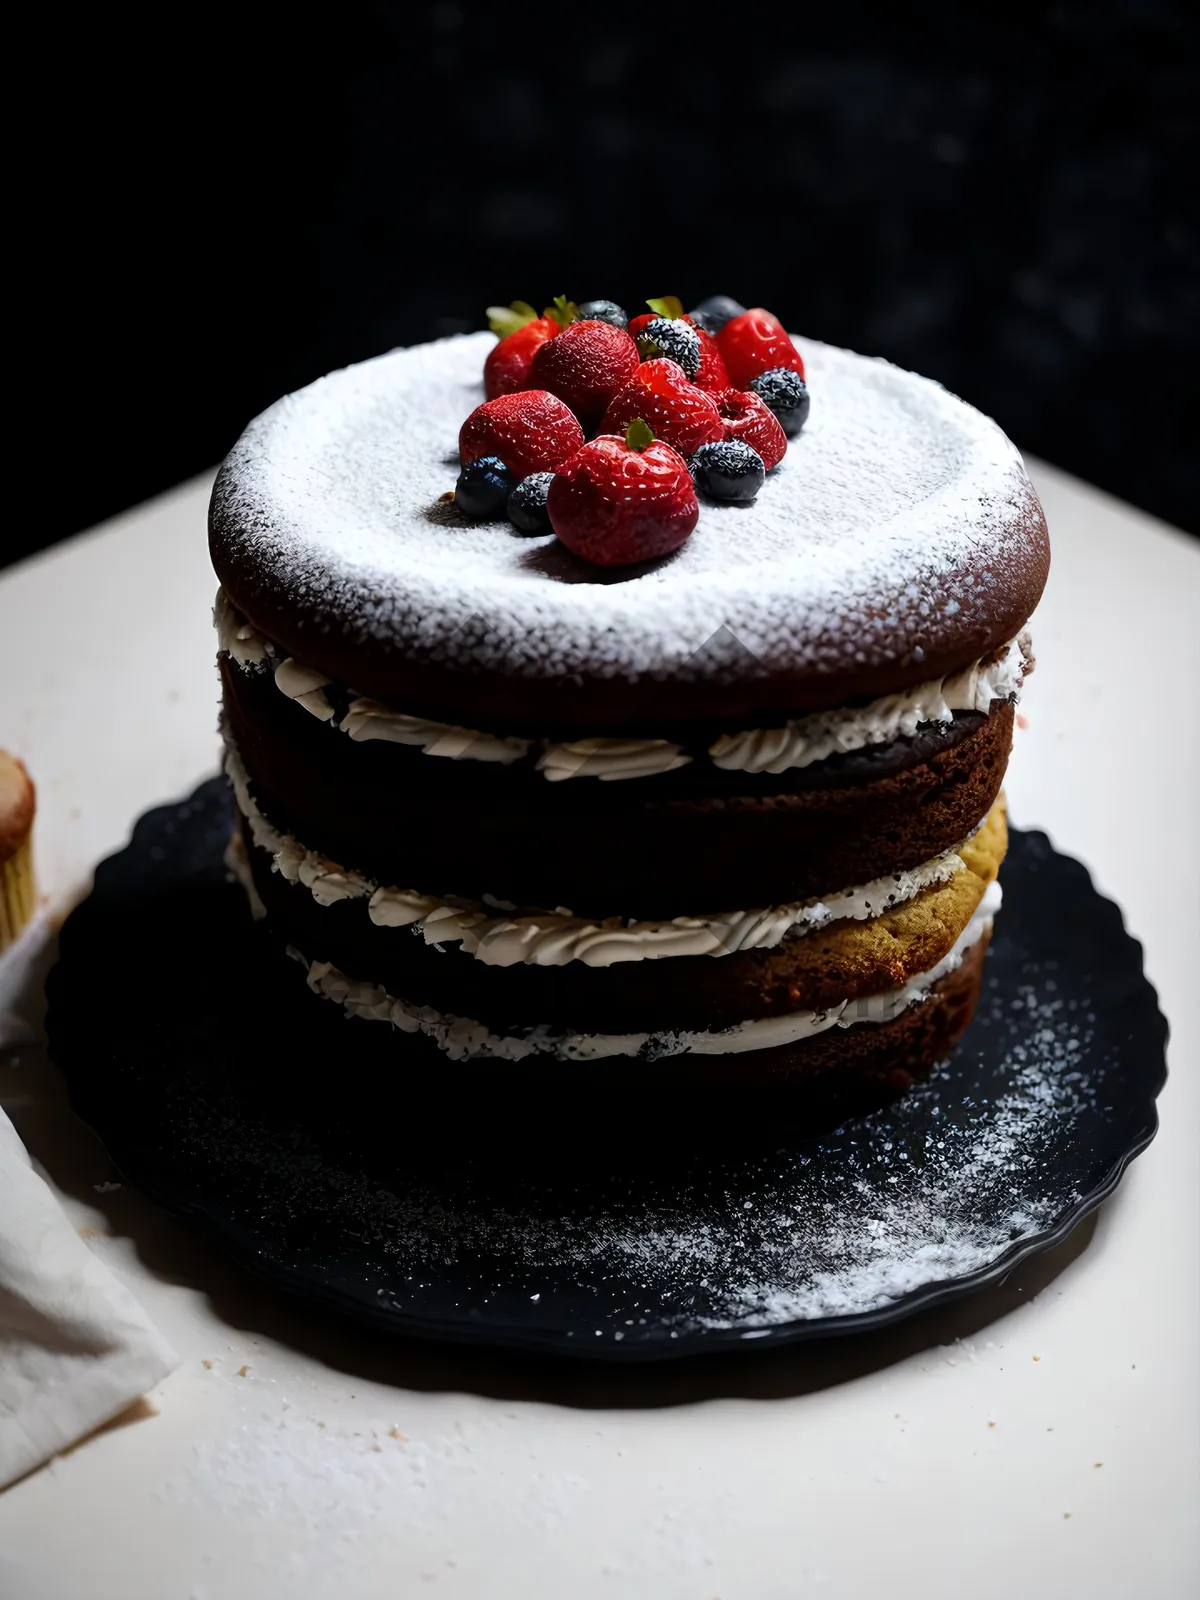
x,y
623,499
530,431
521,332
754,343
508,363
585,366
676,411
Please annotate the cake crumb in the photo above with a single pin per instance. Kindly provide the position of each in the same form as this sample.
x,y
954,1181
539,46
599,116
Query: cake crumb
x,y
243,1372
207,1362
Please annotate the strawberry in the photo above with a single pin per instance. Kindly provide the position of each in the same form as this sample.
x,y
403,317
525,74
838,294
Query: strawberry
x,y
755,343
530,431
620,500
712,374
507,367
677,411
751,420
585,366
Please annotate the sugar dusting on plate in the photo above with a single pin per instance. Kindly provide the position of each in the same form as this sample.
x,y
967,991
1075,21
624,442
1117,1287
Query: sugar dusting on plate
x,y
937,1187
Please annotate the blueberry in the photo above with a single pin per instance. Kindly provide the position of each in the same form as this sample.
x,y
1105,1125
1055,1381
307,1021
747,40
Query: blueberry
x,y
527,504
666,336
483,487
712,314
728,470
786,393
603,311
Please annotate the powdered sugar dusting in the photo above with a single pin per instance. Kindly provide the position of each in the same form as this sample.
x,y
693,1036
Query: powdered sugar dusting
x,y
945,1218
899,507
937,1187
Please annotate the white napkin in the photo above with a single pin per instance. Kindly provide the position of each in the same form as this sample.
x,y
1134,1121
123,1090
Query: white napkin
x,y
75,1347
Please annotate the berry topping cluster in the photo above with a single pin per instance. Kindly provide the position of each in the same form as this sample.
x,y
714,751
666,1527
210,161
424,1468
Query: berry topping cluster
x,y
600,428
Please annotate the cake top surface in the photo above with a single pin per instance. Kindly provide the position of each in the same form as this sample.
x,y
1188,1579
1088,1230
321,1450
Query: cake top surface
x,y
899,538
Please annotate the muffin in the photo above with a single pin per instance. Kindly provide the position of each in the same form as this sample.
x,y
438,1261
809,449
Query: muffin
x,y
730,816
18,891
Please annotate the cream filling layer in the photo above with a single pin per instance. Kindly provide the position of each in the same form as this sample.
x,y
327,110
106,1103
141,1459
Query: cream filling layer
x,y
554,939
798,743
609,759
371,719
306,687
463,1039
825,733
236,637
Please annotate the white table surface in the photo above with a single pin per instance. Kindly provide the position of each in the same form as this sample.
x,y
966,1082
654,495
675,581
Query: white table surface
x,y
1041,1439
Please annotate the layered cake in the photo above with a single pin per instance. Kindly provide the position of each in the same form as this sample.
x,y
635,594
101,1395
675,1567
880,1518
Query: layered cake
x,y
572,792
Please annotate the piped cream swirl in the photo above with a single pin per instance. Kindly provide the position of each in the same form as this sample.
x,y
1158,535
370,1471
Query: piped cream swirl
x,y
609,759
371,719
305,686
235,636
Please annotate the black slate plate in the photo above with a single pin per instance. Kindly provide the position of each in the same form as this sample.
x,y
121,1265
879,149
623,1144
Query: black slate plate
x,y
226,1091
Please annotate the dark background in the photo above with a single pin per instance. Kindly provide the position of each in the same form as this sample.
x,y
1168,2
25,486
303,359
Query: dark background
x,y
244,197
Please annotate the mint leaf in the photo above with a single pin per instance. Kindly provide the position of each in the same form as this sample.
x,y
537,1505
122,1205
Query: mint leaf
x,y
667,306
638,434
507,319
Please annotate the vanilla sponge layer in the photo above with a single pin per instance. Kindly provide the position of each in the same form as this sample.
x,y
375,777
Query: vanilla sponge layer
x,y
854,958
